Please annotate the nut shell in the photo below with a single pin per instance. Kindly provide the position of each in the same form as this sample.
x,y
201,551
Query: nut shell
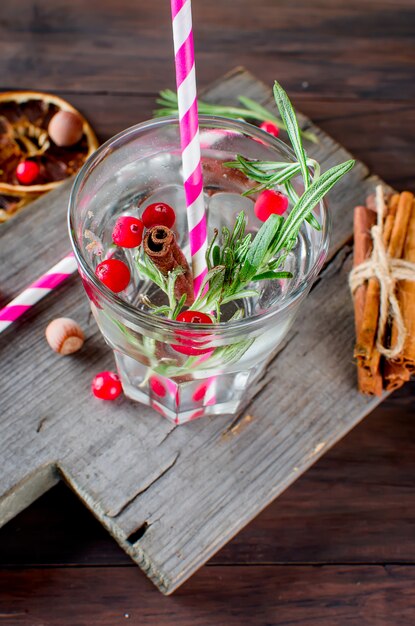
x,y
65,128
64,335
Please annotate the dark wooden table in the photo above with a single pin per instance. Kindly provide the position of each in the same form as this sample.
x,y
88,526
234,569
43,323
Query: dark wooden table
x,y
337,548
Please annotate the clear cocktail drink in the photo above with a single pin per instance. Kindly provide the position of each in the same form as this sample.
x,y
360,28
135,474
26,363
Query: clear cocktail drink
x,y
185,371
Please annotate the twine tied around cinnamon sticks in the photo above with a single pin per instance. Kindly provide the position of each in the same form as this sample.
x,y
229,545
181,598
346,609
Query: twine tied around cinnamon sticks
x,y
387,271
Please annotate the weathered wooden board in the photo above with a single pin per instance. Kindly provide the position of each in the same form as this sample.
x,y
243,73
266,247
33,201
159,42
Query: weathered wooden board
x,y
171,496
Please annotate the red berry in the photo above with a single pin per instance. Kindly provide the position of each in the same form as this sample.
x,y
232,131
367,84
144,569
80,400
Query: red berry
x,y
194,317
114,274
200,393
157,387
128,232
27,172
196,414
270,128
187,344
158,214
106,386
269,202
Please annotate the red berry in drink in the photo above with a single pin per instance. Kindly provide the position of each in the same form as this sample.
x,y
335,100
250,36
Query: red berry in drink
x,y
194,317
270,128
27,172
269,202
187,344
114,274
158,214
157,387
128,232
200,393
106,386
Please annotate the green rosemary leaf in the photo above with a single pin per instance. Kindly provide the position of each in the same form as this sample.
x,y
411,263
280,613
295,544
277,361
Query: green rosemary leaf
x,y
289,118
209,250
168,94
146,267
246,293
229,354
260,247
250,110
216,255
291,192
214,278
309,200
313,222
251,105
171,281
238,229
272,275
178,307
228,262
242,249
162,310
218,311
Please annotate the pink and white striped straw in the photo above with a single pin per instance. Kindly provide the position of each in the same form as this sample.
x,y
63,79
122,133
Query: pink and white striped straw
x,y
37,290
189,134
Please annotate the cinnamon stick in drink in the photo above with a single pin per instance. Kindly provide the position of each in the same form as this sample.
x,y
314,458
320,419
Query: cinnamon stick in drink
x,y
162,248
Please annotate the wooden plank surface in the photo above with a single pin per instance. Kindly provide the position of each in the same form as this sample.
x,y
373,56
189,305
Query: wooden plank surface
x,y
263,595
102,46
364,101
128,465
368,517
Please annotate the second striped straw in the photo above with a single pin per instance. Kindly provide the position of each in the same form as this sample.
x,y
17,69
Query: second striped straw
x,y
189,135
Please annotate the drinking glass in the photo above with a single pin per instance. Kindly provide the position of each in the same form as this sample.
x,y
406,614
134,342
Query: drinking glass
x,y
186,371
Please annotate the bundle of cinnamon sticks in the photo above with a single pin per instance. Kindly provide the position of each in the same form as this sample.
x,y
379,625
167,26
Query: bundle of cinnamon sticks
x,y
377,372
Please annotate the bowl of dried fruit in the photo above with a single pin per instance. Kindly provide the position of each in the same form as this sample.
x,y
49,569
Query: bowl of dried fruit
x,y
43,141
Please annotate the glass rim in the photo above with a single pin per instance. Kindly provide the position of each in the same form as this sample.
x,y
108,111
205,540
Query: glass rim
x,y
159,323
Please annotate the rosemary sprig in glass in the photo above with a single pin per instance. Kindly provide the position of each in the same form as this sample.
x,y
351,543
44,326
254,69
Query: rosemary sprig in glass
x,y
235,259
249,111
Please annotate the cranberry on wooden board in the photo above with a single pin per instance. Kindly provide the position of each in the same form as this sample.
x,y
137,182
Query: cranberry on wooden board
x,y
114,274
106,386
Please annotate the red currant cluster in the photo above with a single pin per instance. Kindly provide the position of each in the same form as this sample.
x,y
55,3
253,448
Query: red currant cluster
x,y
128,233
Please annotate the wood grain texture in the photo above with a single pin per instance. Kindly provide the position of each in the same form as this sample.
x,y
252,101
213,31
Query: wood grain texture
x,y
260,596
190,489
381,134
321,48
368,517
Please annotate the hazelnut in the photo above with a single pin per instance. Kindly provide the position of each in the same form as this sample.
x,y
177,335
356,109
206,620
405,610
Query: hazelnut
x,y
65,128
64,335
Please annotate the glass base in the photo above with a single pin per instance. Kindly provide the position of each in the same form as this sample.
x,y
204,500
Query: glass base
x,y
183,399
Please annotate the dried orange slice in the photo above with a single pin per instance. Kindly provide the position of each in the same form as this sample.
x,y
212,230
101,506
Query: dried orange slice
x,y
24,120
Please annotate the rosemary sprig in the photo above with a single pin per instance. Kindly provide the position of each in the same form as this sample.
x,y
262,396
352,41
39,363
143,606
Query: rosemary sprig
x,y
250,110
235,260
147,269
270,174
291,125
